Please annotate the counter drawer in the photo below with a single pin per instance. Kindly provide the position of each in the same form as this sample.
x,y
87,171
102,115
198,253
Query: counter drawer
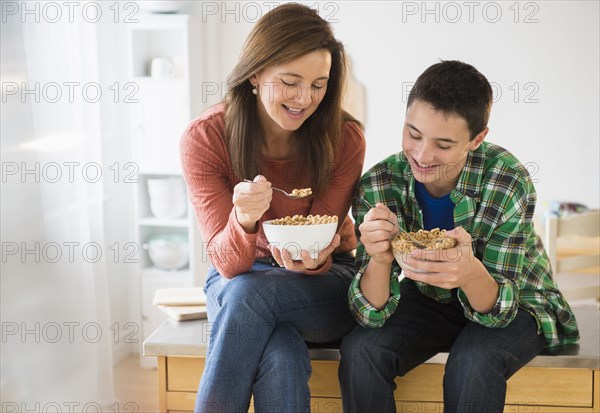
x,y
183,373
554,387
530,386
566,387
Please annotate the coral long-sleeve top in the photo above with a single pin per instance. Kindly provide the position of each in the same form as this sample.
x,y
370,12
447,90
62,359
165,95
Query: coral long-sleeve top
x,y
210,179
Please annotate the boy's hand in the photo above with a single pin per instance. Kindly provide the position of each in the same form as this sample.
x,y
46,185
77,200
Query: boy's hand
x,y
376,232
452,268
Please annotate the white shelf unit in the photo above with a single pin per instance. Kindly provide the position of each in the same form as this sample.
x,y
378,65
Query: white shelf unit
x,y
164,109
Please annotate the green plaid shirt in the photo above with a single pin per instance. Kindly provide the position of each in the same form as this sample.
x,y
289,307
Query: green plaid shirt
x,y
494,202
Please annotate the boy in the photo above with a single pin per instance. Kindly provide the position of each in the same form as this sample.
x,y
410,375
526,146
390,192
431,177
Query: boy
x,y
491,301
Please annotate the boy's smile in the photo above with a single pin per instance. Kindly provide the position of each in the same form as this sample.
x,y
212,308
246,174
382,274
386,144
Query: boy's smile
x,y
436,145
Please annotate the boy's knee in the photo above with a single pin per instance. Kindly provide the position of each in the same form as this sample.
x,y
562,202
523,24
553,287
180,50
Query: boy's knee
x,y
472,361
361,348
353,345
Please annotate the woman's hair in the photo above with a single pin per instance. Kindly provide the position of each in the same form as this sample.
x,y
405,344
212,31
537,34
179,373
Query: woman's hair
x,y
457,88
286,33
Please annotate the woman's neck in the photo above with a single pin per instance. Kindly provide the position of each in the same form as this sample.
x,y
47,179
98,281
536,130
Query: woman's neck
x,y
277,143
277,147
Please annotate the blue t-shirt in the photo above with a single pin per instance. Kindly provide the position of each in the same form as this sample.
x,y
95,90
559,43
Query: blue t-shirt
x,y
437,212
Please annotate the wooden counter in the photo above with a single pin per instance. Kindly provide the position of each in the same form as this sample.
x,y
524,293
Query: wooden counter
x,y
568,382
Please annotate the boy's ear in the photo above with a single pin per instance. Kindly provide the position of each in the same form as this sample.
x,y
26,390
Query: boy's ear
x,y
479,139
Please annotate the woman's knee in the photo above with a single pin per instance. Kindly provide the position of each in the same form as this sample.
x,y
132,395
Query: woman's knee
x,y
242,309
250,290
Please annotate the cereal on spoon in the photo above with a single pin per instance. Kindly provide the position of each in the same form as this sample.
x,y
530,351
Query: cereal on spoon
x,y
302,192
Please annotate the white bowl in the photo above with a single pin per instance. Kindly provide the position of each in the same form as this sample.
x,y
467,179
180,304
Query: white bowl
x,y
295,238
168,209
401,260
168,252
167,197
431,254
167,193
170,6
158,186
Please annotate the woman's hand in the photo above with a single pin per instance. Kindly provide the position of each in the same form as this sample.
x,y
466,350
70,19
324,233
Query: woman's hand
x,y
251,201
376,232
284,259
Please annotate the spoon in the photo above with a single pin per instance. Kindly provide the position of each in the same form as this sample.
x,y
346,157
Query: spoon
x,y
291,196
411,239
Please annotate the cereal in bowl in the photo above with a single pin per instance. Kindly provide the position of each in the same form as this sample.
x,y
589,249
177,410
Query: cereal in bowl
x,y
434,239
308,220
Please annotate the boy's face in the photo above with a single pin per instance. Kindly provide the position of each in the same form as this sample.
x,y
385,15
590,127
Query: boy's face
x,y
437,145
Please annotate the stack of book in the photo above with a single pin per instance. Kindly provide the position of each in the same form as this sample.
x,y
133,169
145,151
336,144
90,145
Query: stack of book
x,y
181,304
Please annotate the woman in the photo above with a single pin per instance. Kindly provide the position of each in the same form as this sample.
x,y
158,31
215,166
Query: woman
x,y
281,125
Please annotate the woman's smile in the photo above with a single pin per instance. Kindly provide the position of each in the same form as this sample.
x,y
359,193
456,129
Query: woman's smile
x,y
294,113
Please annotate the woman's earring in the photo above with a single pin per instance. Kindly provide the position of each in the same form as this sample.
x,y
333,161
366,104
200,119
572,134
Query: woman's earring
x,y
254,90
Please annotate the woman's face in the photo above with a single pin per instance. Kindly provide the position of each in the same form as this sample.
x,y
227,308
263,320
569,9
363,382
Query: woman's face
x,y
289,93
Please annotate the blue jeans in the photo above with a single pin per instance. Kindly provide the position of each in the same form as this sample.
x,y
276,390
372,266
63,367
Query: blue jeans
x,y
480,360
260,322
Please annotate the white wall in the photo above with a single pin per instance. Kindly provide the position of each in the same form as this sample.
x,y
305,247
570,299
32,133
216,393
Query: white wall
x,y
542,58
557,136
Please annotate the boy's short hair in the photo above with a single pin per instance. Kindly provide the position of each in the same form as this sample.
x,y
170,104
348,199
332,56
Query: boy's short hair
x,y
454,87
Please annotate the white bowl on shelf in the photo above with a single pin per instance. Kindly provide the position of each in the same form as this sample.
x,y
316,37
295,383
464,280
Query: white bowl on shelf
x,y
167,197
164,7
158,186
167,209
168,252
295,238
